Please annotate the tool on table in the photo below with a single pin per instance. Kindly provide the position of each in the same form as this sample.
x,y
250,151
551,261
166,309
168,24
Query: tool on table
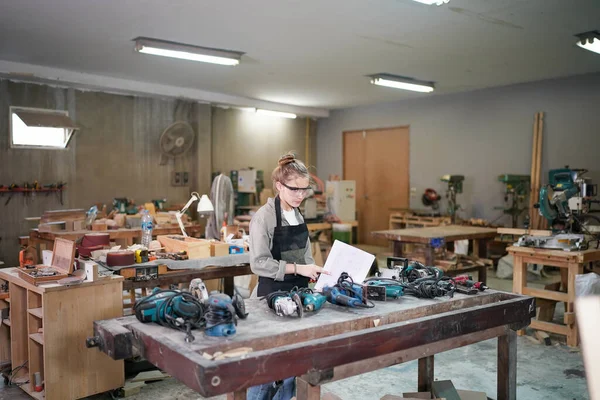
x,y
347,293
27,256
159,204
391,289
198,289
141,256
516,191
465,290
468,281
455,186
285,303
566,202
311,301
221,316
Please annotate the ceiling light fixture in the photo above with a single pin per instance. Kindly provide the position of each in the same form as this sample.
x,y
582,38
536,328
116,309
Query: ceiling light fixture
x,y
400,82
589,41
432,2
187,52
276,114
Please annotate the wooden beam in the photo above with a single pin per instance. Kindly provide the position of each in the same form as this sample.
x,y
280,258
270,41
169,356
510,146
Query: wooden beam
x,y
546,294
426,373
507,366
549,327
306,391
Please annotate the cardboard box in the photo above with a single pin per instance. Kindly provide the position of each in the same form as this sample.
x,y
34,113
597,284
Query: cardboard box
x,y
218,249
195,248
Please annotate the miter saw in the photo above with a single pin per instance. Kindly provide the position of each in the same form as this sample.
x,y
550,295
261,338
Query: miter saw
x,y
455,184
566,203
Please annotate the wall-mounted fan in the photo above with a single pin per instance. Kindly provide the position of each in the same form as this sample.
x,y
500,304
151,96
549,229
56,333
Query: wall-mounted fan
x,y
175,141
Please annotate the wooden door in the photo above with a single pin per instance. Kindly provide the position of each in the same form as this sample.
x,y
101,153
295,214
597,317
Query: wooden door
x,y
378,160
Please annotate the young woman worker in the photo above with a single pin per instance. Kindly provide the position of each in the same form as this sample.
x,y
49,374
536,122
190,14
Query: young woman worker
x,y
280,251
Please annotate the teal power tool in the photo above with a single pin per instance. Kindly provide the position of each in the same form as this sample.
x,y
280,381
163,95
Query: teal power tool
x,y
172,308
311,301
347,293
393,290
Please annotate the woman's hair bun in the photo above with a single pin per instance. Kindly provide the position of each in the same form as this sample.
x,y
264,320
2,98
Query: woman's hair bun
x,y
287,159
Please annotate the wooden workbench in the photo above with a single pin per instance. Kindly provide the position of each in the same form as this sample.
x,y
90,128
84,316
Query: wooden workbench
x,y
125,237
432,237
571,264
331,344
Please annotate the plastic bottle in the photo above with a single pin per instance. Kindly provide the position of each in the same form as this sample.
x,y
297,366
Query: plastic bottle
x,y
146,229
223,231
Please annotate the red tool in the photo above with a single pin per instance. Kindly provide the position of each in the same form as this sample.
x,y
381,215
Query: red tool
x,y
468,281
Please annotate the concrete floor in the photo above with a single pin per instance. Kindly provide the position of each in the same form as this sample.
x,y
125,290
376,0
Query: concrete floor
x,y
543,372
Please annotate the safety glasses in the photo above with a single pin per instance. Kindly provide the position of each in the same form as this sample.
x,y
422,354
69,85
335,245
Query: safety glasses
x,y
297,190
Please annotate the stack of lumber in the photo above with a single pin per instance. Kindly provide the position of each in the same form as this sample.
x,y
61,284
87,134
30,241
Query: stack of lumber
x,y
62,220
536,220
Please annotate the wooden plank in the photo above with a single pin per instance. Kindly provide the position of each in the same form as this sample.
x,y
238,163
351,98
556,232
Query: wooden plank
x,y
306,391
449,233
519,232
588,315
72,314
549,327
426,373
507,366
373,364
38,337
574,270
18,333
546,294
38,312
543,337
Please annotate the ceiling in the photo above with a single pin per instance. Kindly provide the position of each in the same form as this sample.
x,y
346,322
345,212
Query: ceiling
x,y
310,53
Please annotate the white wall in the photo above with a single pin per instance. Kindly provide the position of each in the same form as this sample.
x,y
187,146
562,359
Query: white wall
x,y
481,135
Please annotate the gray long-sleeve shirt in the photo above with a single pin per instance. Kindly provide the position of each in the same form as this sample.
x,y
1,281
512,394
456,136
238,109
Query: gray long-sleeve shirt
x,y
262,226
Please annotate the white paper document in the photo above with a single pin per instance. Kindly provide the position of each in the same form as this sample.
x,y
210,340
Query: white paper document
x,y
345,258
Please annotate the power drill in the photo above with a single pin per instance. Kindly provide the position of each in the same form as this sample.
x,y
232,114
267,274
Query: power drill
x,y
335,296
468,281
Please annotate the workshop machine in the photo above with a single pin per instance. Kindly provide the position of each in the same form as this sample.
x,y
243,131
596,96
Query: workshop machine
x,y
431,198
516,191
566,202
455,186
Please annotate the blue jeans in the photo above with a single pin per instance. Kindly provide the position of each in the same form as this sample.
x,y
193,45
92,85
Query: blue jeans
x,y
261,392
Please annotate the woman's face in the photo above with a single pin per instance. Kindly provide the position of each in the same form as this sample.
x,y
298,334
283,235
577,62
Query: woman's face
x,y
293,191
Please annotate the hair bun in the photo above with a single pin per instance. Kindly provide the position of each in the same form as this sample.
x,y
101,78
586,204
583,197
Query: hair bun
x,y
287,159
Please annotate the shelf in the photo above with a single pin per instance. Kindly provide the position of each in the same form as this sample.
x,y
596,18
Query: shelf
x,y
7,299
37,337
6,321
22,190
36,312
36,395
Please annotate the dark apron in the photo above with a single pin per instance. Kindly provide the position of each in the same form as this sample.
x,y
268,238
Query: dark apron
x,y
289,244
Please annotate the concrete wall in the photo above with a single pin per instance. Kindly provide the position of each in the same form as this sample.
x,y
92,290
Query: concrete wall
x,y
481,135
115,154
244,139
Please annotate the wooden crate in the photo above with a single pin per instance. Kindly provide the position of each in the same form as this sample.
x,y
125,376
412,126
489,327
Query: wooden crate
x,y
218,249
195,248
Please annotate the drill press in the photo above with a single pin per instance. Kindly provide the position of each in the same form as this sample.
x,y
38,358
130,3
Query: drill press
x,y
516,191
455,186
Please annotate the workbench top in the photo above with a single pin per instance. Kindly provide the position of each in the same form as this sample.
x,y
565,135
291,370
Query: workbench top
x,y
11,275
568,256
117,233
334,336
449,233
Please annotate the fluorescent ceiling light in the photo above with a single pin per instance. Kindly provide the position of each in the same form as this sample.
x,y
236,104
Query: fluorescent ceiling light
x,y
247,109
187,52
399,82
276,114
589,41
432,2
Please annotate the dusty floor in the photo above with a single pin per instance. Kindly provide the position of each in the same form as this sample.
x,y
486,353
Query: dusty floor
x,y
543,372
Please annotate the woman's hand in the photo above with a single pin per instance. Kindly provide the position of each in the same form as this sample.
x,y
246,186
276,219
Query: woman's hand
x,y
311,271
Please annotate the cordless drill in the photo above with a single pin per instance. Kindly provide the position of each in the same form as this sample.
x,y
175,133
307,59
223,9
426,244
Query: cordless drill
x,y
468,281
335,296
